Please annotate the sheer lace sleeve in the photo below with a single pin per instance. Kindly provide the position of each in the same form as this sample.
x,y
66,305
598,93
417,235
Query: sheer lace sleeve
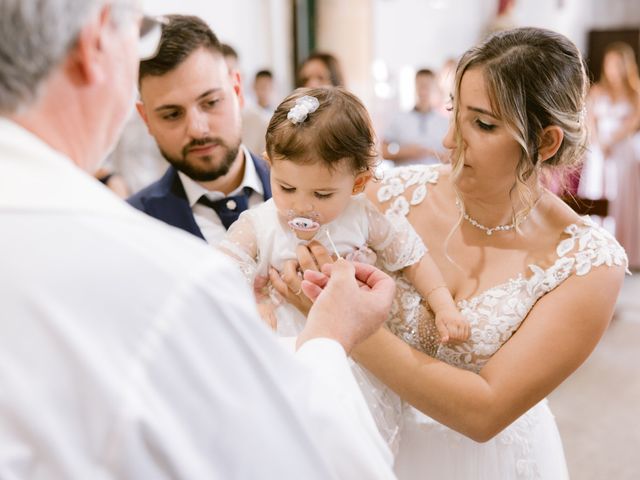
x,y
587,246
393,238
496,313
240,244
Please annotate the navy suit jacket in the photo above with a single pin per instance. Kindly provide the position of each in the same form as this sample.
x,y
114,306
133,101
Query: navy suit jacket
x,y
166,199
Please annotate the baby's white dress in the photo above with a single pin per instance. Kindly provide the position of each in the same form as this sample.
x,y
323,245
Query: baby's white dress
x,y
260,238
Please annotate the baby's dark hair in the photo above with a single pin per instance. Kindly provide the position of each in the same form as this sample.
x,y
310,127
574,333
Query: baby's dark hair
x,y
339,129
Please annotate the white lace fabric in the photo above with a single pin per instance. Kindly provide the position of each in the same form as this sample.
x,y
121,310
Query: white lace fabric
x,y
240,244
258,239
393,238
495,314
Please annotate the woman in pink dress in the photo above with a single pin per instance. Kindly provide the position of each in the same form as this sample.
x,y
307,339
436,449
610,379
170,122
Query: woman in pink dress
x,y
612,169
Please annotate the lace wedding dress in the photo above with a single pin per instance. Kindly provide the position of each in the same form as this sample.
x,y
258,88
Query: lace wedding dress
x,y
530,448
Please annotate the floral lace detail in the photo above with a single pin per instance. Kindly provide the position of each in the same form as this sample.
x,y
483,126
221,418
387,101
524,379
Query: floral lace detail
x,y
516,438
411,320
240,245
596,247
384,404
399,180
518,435
495,314
401,245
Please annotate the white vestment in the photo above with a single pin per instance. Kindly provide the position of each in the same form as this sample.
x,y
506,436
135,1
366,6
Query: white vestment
x,y
131,350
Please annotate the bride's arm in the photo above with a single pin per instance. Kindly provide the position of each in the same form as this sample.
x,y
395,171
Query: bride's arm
x,y
555,338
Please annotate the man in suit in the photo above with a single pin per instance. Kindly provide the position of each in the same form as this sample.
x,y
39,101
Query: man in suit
x,y
191,103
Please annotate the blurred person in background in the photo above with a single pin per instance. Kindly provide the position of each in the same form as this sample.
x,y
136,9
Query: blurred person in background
x,y
446,77
136,157
320,69
264,90
612,167
256,114
230,56
416,136
113,181
503,20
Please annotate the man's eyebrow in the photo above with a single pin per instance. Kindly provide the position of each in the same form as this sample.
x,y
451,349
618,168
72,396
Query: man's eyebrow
x,y
170,106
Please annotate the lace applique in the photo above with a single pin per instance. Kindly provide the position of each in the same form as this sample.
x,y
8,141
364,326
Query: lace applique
x,y
516,438
394,239
411,320
596,247
385,405
519,435
398,180
495,314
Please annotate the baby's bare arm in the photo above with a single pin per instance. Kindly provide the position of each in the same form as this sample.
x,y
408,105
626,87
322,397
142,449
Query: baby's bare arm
x,y
428,281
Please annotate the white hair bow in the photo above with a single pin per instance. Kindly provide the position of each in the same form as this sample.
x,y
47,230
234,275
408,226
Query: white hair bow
x,y
303,107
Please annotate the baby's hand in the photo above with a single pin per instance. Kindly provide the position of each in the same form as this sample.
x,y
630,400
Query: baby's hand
x,y
452,326
261,288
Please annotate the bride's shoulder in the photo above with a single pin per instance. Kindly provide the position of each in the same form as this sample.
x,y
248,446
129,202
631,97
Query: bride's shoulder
x,y
401,187
583,241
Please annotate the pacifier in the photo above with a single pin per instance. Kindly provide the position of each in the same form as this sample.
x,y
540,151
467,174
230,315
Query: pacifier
x,y
307,223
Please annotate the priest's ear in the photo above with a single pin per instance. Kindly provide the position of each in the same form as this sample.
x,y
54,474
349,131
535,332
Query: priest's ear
x,y
361,181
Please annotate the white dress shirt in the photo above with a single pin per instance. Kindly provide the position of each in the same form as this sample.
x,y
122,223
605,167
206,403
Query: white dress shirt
x,y
426,129
206,218
129,350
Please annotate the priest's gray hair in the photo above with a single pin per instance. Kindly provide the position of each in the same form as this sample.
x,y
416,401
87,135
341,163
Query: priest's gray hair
x,y
35,37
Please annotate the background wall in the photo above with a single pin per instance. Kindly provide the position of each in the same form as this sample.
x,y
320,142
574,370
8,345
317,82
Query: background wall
x,y
387,39
410,34
407,31
259,30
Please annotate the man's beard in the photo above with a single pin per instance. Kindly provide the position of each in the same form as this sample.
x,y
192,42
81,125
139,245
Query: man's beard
x,y
203,169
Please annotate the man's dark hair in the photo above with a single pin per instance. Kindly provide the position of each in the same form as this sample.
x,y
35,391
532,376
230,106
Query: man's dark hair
x,y
264,74
426,72
181,36
228,51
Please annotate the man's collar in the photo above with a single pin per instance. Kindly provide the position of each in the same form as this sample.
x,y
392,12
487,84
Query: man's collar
x,y
195,190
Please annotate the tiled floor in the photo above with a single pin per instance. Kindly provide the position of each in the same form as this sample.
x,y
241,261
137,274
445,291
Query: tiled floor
x,y
598,407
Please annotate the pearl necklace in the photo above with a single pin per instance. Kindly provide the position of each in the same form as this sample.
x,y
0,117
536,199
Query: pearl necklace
x,y
487,230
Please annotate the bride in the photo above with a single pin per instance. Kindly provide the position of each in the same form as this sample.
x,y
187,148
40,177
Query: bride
x,y
537,283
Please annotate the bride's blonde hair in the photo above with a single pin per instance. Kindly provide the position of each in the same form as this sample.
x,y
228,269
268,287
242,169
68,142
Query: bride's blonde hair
x,y
535,78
